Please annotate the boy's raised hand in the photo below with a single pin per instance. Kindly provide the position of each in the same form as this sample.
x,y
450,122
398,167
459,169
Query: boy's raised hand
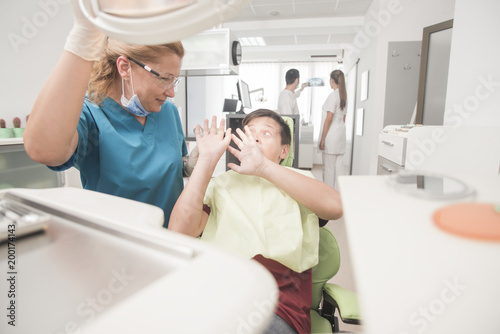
x,y
249,154
212,143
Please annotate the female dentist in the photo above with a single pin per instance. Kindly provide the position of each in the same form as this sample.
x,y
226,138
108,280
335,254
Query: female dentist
x,y
104,110
333,132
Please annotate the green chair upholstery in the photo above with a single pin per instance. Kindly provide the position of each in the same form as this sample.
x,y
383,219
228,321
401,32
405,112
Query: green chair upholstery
x,y
328,297
288,161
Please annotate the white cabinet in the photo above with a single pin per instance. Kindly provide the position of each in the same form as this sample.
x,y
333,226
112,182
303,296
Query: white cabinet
x,y
306,147
209,53
18,170
386,166
467,150
391,150
439,149
392,147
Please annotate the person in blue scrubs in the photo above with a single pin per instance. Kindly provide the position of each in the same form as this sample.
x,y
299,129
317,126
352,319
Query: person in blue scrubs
x,y
105,110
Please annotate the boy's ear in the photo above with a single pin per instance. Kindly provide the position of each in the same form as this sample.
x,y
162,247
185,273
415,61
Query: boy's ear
x,y
284,151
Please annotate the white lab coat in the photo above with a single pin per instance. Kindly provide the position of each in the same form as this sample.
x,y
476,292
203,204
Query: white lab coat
x,y
335,140
287,102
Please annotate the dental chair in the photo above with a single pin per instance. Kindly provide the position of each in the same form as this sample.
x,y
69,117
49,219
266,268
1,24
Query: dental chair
x,y
328,297
288,161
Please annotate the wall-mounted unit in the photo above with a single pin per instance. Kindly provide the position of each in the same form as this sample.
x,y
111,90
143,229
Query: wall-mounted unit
x,y
211,52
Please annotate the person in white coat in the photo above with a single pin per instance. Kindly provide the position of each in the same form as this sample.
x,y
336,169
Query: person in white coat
x,y
333,133
287,101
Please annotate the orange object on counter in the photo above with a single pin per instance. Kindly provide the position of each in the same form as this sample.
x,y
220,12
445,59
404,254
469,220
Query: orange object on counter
x,y
471,220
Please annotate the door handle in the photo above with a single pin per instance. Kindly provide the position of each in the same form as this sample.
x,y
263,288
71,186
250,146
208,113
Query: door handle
x,y
387,168
387,143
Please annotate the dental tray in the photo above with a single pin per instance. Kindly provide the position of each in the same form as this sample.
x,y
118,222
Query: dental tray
x,y
17,220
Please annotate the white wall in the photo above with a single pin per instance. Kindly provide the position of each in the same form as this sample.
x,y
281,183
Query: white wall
x,y
34,32
34,35
386,21
473,95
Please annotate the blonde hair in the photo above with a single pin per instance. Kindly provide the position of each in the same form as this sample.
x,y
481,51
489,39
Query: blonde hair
x,y
105,72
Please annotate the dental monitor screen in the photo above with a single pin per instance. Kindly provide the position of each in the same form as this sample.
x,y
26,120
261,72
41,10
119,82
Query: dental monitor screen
x,y
244,96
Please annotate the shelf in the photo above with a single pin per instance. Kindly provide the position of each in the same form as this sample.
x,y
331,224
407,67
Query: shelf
x,y
11,141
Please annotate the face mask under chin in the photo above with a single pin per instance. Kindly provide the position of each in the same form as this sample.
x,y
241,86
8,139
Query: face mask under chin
x,y
133,105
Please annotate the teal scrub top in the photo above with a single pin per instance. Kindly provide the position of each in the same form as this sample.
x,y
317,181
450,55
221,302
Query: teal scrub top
x,y
117,155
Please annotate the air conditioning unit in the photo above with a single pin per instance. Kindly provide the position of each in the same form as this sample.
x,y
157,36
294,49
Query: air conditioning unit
x,y
334,55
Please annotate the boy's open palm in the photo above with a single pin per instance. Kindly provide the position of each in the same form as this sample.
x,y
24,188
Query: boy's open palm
x,y
249,154
212,143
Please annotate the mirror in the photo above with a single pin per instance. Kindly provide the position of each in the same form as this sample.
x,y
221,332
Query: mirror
x,y
433,77
430,186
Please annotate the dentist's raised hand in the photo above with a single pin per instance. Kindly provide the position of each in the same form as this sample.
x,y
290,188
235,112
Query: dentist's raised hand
x,y
212,143
252,160
51,135
84,40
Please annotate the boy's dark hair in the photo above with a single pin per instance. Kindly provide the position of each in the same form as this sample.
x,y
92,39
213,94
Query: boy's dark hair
x,y
291,75
286,137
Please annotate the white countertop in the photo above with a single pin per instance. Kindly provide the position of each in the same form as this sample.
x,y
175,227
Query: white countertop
x,y
11,141
411,276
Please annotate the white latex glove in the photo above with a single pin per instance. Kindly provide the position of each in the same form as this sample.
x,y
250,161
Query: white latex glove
x,y
84,40
191,161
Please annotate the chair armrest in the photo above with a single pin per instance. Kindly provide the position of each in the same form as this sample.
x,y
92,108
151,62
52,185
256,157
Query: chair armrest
x,y
345,300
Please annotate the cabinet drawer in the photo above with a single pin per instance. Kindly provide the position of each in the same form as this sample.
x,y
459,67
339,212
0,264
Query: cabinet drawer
x,y
392,148
387,167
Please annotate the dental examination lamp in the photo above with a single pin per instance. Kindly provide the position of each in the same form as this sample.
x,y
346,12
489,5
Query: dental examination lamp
x,y
158,21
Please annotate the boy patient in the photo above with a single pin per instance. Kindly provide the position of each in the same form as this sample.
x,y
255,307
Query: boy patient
x,y
260,209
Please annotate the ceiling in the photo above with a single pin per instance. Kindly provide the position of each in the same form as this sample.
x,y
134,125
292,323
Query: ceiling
x,y
298,30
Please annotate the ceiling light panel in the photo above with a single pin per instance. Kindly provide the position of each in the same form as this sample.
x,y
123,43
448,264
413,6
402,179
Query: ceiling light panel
x,y
252,41
341,38
316,8
280,40
352,8
312,39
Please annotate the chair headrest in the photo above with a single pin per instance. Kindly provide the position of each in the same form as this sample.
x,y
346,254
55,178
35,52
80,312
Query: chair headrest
x,y
288,161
